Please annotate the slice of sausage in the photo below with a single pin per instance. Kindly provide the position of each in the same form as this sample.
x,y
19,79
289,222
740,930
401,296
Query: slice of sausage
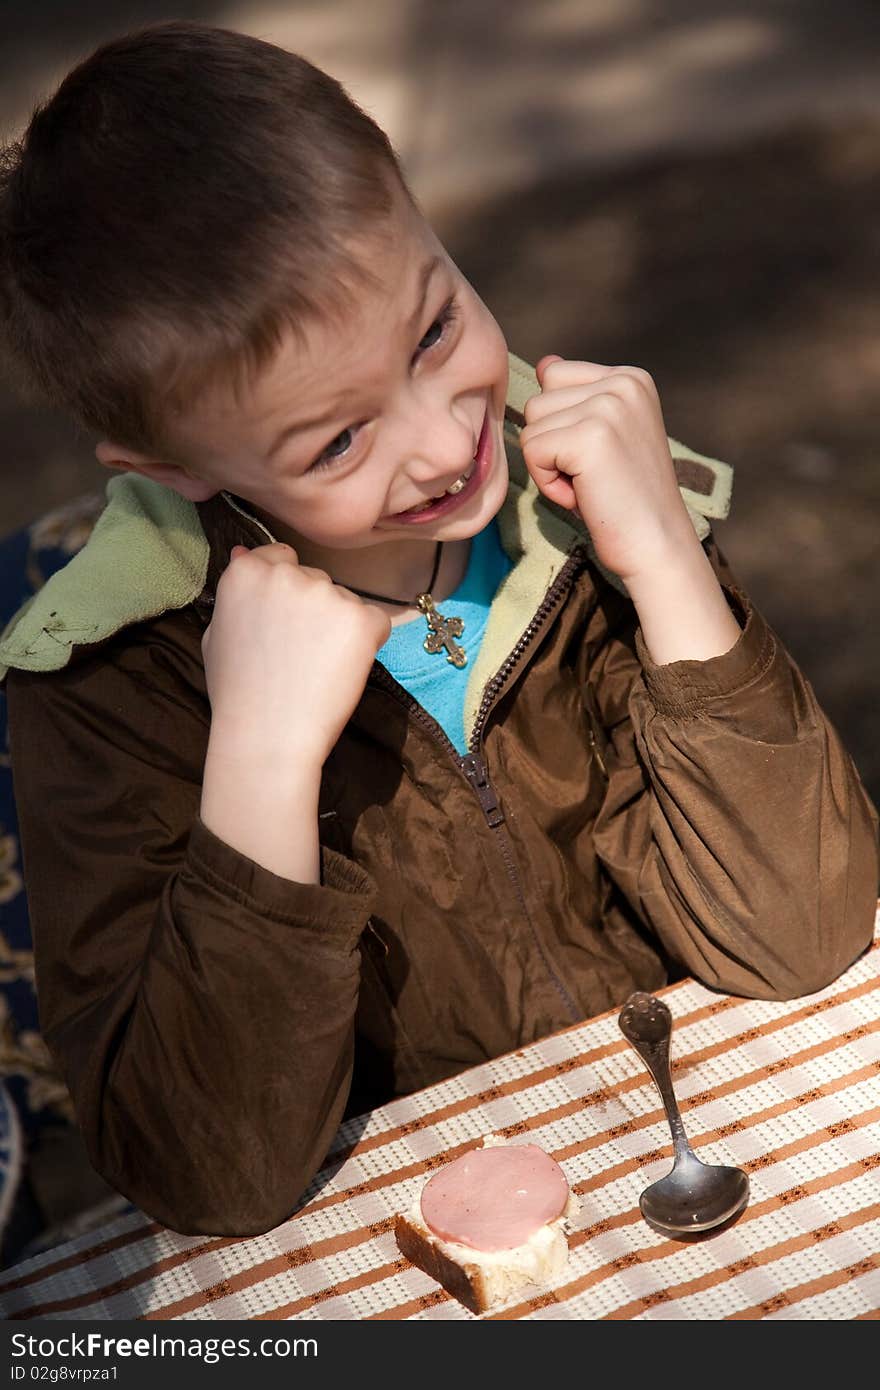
x,y
495,1198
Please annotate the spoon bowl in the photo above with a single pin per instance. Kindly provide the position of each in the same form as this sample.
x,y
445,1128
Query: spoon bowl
x,y
694,1197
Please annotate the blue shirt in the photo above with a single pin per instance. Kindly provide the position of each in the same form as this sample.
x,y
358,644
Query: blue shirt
x,y
439,686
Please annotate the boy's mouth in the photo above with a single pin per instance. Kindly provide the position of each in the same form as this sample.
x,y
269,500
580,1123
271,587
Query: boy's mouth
x,y
464,486
453,491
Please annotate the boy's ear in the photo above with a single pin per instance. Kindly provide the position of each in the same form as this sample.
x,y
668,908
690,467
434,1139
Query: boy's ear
x,y
168,474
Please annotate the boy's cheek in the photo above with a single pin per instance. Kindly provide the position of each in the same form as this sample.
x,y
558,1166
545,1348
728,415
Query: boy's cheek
x,y
486,342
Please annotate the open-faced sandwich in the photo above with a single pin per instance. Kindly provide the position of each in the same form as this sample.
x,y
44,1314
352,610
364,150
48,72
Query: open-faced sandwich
x,y
490,1222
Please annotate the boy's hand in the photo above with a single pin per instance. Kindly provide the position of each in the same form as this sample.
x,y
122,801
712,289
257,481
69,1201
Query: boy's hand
x,y
287,654
595,442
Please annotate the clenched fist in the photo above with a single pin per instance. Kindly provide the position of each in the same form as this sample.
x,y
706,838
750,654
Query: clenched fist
x,y
287,655
595,442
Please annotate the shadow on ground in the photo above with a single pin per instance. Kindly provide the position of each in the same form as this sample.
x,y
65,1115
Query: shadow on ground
x,y
746,282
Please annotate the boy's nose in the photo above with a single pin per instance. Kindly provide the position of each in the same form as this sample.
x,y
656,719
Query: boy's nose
x,y
442,447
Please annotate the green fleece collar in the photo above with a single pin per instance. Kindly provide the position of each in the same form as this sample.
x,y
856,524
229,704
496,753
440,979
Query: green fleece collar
x,y
148,553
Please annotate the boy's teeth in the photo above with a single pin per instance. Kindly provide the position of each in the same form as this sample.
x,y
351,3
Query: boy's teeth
x,y
450,491
457,485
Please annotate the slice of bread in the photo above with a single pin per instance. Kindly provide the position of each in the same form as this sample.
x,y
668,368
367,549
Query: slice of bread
x,y
483,1280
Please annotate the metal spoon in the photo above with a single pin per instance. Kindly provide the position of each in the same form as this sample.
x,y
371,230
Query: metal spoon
x,y
694,1196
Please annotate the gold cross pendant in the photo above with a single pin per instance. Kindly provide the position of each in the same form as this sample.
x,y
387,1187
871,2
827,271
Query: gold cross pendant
x,y
441,632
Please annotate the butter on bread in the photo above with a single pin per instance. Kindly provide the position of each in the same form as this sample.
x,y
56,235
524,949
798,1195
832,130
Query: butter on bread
x,y
485,1279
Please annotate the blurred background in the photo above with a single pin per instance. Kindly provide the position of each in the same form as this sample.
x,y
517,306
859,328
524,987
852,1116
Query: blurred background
x,y
688,185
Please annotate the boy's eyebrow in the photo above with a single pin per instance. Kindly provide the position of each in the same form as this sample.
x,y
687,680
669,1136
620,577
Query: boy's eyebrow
x,y
425,275
300,428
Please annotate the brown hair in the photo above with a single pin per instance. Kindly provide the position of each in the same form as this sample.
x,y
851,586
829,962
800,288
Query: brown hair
x,y
185,194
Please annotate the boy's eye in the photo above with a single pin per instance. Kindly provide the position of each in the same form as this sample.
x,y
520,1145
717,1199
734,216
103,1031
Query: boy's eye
x,y
433,335
440,327
335,450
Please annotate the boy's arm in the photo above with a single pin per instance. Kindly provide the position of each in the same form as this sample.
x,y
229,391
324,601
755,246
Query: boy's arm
x,y
279,701
733,821
201,1006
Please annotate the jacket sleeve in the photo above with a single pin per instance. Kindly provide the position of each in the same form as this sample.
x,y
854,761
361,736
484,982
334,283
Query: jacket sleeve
x,y
733,821
201,1009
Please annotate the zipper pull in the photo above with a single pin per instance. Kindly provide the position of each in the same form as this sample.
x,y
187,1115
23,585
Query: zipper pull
x,y
474,770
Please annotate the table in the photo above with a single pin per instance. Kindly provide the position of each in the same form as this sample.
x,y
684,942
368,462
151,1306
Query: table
x,y
788,1091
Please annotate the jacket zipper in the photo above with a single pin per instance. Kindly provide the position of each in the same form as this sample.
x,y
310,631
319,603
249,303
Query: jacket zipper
x,y
562,581
475,771
473,766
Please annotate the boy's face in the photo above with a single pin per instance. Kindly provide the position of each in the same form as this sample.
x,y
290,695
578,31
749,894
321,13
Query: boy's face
x,y
408,390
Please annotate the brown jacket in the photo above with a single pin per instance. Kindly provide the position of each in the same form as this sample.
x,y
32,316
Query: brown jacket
x,y
615,823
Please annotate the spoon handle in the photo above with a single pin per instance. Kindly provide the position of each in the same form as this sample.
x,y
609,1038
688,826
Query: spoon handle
x,y
646,1023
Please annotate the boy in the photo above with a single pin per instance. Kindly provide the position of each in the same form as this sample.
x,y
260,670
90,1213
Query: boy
x,y
271,876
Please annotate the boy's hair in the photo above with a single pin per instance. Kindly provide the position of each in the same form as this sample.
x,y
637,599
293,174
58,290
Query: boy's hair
x,y
186,194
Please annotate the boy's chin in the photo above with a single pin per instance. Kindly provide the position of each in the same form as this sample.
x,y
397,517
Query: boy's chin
x,y
465,527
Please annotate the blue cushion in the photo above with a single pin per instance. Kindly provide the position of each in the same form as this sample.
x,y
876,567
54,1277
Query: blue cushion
x,y
31,1084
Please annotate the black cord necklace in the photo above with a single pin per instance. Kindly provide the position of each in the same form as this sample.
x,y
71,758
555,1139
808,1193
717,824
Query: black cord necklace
x,y
441,630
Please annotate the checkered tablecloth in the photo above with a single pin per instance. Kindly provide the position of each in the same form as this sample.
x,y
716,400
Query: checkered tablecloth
x,y
790,1092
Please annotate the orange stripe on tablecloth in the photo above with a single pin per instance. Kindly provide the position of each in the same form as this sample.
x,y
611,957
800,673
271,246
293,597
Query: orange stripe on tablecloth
x,y
795,1146
821,1284
671,1247
872,1314
279,1264
345,1286
129,1281
739,1083
760,1258
753,1212
105,1247
225,1287
632,1083
333,1245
